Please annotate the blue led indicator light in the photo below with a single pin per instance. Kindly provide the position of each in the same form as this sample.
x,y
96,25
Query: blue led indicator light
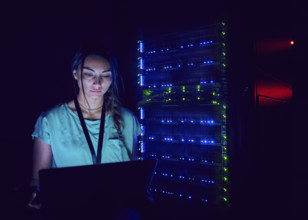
x,y
204,200
141,64
141,113
141,47
141,80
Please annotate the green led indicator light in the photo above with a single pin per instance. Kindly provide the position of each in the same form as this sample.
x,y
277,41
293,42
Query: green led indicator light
x,y
225,157
198,87
224,116
214,93
223,33
183,99
225,199
224,44
224,65
214,102
147,92
225,169
169,89
183,88
198,98
224,106
225,178
225,137
225,148
224,53
169,99
225,189
223,23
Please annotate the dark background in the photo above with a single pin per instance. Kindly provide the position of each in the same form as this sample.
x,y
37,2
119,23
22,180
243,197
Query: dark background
x,y
38,41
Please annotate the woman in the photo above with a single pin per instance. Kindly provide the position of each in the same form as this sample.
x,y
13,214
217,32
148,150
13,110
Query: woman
x,y
92,128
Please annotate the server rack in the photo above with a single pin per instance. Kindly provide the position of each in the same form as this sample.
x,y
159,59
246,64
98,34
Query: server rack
x,y
183,113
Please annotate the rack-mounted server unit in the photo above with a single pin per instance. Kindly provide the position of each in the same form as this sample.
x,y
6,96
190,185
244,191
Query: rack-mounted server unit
x,y
183,113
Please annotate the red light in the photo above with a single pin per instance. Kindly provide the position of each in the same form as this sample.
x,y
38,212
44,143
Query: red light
x,y
269,92
292,42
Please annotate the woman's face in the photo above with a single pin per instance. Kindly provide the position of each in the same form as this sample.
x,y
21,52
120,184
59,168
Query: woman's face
x,y
96,76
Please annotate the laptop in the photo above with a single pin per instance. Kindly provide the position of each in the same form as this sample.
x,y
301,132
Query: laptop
x,y
74,187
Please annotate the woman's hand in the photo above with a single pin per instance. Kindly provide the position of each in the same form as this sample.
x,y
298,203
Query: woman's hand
x,y
35,201
42,158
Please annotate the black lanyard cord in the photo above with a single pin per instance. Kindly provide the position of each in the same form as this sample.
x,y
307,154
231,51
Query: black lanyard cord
x,y
96,159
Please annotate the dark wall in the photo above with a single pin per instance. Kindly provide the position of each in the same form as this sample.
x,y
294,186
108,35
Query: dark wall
x,y
300,108
39,43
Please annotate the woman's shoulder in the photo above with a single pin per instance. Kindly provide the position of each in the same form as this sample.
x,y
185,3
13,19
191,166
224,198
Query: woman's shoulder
x,y
55,110
131,122
51,116
126,113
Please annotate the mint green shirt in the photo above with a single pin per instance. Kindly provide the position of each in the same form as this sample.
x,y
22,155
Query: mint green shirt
x,y
60,128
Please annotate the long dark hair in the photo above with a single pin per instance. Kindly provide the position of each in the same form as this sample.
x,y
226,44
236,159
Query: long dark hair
x,y
111,97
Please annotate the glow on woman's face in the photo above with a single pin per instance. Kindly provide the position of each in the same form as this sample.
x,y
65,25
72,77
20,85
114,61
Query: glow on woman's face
x,y
96,76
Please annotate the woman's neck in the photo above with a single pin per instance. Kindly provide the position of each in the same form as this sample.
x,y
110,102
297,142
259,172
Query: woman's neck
x,y
90,104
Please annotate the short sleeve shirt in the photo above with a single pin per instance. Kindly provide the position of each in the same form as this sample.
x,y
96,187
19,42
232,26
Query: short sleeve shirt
x,y
60,128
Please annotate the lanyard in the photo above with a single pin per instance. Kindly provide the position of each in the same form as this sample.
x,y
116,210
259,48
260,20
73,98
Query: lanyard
x,y
96,159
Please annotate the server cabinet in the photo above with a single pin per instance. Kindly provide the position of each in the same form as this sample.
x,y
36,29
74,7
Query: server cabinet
x,y
183,113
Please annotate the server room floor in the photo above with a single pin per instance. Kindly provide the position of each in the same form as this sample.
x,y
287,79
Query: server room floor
x,y
164,209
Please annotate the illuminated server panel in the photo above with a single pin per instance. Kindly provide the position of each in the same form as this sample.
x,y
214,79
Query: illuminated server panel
x,y
182,107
